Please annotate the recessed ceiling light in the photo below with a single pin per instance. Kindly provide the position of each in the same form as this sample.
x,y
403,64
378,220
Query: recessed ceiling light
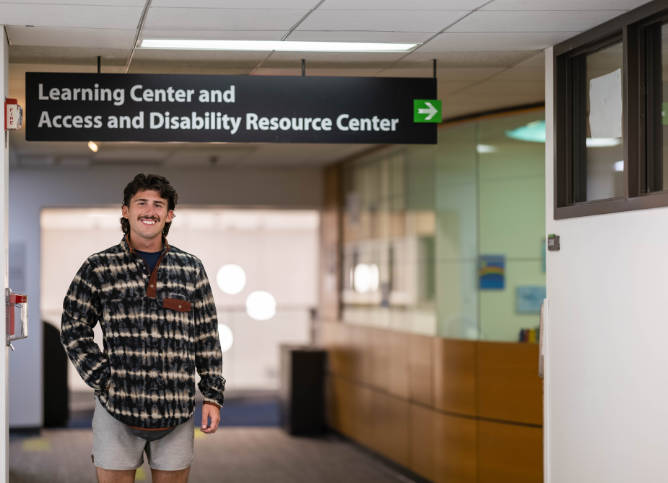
x,y
92,145
277,45
260,305
231,279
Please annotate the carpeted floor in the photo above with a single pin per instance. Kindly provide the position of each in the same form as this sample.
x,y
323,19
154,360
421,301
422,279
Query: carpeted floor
x,y
232,454
249,448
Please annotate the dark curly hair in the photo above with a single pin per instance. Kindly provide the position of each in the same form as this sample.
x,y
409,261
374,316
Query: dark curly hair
x,y
153,182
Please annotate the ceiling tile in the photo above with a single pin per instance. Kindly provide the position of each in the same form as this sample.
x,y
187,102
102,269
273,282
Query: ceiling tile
x,y
487,21
199,55
532,69
68,56
446,87
231,4
494,88
381,20
472,59
343,59
466,74
468,106
86,16
401,5
222,19
537,60
556,5
359,36
71,37
110,3
522,74
476,42
214,34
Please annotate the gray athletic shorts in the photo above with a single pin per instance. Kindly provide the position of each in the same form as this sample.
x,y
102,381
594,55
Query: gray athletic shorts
x,y
115,447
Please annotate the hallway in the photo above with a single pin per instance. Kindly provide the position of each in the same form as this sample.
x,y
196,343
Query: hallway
x,y
233,454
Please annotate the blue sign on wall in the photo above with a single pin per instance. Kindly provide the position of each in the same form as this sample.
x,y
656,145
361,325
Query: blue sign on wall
x,y
492,272
528,299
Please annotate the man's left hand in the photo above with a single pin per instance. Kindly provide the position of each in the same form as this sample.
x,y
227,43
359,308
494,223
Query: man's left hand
x,y
210,417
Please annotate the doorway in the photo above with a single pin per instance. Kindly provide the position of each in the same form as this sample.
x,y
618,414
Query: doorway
x,y
262,267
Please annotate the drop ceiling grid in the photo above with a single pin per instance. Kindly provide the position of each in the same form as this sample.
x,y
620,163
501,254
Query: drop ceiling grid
x,y
564,5
149,33
222,19
489,42
382,20
69,15
236,4
358,36
111,3
62,37
531,21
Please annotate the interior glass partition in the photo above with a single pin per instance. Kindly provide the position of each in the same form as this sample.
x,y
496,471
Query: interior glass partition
x,y
448,239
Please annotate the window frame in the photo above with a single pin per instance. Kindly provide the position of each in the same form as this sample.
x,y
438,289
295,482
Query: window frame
x,y
643,166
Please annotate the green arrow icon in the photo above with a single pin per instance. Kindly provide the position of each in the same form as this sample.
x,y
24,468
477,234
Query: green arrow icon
x,y
427,110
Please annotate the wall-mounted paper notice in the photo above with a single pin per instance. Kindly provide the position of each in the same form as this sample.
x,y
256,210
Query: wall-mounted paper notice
x,y
605,105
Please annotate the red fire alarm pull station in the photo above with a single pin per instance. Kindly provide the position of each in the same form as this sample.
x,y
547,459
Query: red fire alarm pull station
x,y
16,303
13,114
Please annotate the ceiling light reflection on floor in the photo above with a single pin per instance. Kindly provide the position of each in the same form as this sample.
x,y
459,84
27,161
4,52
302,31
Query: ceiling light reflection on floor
x,y
231,279
260,305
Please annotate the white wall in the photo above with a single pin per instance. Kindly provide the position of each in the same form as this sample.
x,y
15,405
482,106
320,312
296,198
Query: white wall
x,y
31,190
606,358
4,354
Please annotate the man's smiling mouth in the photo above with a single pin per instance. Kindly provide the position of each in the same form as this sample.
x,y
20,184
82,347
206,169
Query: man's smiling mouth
x,y
148,221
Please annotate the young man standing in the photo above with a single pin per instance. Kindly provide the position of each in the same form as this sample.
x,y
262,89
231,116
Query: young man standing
x,y
158,318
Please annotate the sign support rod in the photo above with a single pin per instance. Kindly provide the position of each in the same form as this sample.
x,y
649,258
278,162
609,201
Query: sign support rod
x,y
434,64
99,64
303,67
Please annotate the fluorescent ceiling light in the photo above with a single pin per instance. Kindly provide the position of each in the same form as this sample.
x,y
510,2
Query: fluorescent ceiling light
x,y
277,45
603,142
619,166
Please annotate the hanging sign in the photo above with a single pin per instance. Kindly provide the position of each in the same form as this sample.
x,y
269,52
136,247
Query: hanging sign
x,y
205,108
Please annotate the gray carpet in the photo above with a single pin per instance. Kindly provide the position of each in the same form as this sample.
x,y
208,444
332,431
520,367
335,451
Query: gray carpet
x,y
234,454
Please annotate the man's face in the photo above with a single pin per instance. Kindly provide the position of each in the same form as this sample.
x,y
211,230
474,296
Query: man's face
x,y
147,214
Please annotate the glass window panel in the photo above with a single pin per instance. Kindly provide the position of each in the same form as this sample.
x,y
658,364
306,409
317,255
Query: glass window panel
x,y
604,147
511,191
457,300
417,217
512,186
502,313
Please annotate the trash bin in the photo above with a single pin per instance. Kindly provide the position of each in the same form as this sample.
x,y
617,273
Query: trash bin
x,y
303,389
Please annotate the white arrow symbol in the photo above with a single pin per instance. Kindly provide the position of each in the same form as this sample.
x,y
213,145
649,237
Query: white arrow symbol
x,y
432,111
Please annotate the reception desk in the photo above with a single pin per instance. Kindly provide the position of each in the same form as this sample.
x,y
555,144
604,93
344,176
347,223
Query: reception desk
x,y
448,410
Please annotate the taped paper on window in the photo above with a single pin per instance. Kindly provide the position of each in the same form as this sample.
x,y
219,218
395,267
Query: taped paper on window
x,y
605,105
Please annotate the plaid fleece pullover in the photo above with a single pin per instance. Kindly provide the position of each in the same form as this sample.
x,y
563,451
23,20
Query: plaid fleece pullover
x,y
158,328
